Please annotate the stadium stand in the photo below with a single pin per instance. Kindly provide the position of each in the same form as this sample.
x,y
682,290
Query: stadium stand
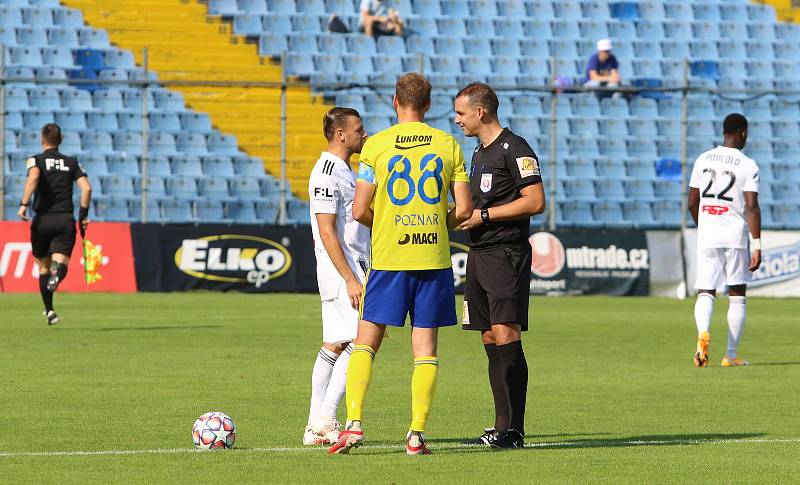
x,y
616,158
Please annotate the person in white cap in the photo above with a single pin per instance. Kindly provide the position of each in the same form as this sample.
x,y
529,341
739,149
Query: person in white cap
x,y
603,68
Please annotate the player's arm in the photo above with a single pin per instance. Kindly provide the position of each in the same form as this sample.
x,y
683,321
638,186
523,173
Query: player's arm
x,y
694,203
330,240
365,193
753,214
30,187
86,200
463,204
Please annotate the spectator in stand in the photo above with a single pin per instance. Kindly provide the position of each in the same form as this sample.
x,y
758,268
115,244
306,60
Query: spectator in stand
x,y
375,19
603,68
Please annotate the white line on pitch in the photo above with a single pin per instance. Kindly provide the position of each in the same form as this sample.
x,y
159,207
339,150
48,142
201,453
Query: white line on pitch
x,y
549,444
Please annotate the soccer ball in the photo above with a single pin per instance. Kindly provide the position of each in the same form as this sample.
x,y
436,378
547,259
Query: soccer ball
x,y
214,431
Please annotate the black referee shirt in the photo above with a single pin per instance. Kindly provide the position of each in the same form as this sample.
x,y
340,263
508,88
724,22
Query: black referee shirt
x,y
58,174
499,171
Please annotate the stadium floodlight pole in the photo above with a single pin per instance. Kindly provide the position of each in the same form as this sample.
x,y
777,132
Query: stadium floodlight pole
x,y
282,210
684,155
145,135
553,145
2,132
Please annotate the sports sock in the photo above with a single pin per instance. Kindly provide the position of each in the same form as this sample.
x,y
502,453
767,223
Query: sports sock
x,y
423,383
320,377
336,386
359,375
737,314
502,415
703,309
47,297
515,372
59,270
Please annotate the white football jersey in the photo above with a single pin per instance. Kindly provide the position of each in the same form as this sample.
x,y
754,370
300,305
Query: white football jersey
x,y
722,176
331,187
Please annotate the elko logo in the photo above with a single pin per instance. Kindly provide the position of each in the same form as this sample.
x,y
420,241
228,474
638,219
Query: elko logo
x,y
233,259
548,255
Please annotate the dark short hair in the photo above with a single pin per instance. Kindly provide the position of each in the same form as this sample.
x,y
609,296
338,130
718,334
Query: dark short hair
x,y
51,134
413,90
481,94
336,118
734,123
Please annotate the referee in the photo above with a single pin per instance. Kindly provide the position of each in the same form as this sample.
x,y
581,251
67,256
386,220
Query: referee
x,y
51,175
506,188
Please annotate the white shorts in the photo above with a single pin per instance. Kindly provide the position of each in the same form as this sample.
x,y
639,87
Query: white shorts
x,y
339,319
718,267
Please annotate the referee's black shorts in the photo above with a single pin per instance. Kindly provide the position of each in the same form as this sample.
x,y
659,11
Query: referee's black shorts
x,y
497,287
53,233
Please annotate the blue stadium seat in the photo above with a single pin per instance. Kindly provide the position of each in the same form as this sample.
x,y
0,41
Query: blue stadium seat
x,y
101,121
759,129
13,121
733,12
787,172
32,37
186,165
98,142
11,16
193,144
227,8
786,129
218,166
579,213
761,13
610,214
162,144
247,166
272,44
210,212
650,30
29,141
117,186
580,189
392,45
610,168
68,18
579,168
667,213
524,126
242,212
786,192
267,211
182,187
178,211
112,209
285,7
615,148
215,188
108,100
245,188
36,119
302,23
527,105
621,32
761,31
626,11
251,25
652,11
122,165
425,27
483,8
668,169
71,143
84,76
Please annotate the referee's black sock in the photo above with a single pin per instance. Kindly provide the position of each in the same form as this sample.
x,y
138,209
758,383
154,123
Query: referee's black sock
x,y
47,297
499,393
515,371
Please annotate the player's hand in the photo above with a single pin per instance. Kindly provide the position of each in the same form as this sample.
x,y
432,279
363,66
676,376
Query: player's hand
x,y
755,260
82,225
473,222
355,290
23,213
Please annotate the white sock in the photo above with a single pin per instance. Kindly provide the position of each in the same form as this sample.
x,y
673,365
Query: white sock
x,y
320,377
737,313
336,388
703,309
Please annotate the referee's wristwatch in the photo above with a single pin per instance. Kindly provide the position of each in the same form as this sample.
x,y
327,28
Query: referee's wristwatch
x,y
485,216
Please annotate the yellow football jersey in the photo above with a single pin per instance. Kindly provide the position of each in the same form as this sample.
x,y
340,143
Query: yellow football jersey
x,y
412,166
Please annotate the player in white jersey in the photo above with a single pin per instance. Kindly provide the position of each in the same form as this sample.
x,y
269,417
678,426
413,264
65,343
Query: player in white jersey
x,y
342,249
723,200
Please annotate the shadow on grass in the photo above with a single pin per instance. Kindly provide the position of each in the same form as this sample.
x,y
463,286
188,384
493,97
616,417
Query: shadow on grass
x,y
453,446
775,363
138,329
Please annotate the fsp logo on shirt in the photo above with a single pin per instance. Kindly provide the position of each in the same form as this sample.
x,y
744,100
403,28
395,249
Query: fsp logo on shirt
x,y
715,210
55,164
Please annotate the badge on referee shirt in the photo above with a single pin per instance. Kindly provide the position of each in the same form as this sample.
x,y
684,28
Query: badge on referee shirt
x,y
30,163
528,167
486,182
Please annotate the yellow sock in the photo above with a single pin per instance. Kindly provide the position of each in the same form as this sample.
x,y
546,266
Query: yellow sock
x,y
359,374
423,383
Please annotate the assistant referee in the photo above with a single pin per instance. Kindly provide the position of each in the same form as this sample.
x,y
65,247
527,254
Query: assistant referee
x,y
50,176
506,187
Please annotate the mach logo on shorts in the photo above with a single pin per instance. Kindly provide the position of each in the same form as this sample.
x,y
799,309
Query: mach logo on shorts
x,y
418,238
715,210
233,259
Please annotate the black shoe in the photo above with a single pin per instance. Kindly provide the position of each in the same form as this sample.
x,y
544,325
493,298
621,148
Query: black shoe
x,y
51,317
510,439
487,438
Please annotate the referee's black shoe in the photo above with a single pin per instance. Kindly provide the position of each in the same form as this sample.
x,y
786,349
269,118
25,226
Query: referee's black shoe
x,y
51,316
509,440
486,439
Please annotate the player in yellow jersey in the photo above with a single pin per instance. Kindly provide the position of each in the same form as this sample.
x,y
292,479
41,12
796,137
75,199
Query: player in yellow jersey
x,y
405,174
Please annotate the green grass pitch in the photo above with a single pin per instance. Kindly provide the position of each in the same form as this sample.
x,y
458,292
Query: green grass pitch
x,y
613,394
